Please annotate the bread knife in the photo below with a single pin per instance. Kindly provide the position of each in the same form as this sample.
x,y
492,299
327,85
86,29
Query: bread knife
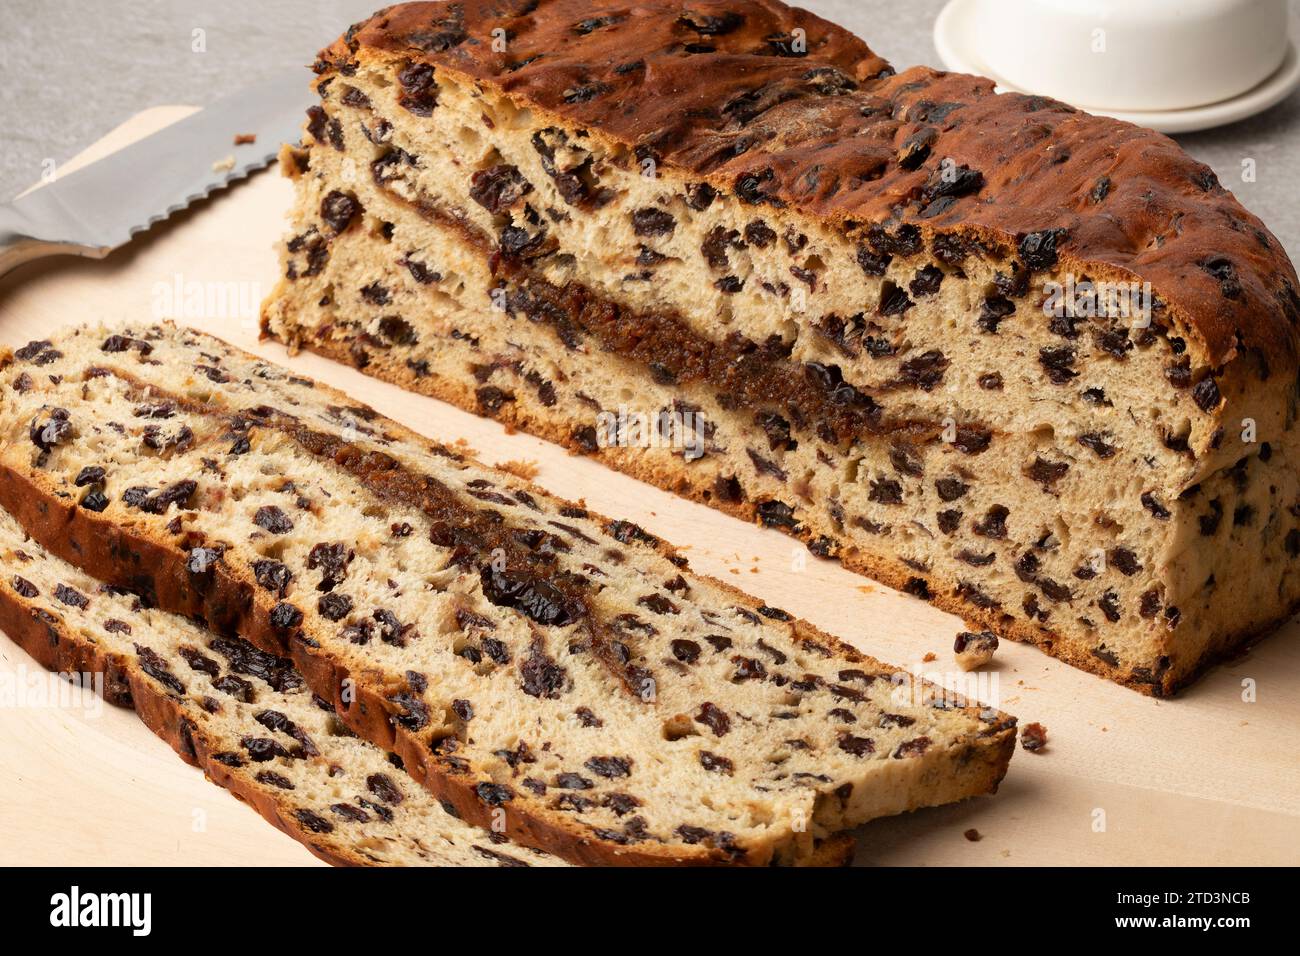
x,y
96,209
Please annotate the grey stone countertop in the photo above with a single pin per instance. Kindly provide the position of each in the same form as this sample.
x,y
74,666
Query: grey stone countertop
x,y
71,70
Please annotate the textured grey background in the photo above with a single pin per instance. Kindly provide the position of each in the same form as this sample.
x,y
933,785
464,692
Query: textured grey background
x,y
71,70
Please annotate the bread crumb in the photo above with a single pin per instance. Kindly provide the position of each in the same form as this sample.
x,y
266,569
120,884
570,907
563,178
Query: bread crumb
x,y
1034,738
527,470
974,650
973,835
866,589
224,165
243,139
930,657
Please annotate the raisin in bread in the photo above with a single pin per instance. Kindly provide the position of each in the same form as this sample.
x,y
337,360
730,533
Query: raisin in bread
x,y
244,716
550,674
735,221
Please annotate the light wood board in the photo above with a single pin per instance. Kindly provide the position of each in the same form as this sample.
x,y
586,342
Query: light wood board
x,y
1207,778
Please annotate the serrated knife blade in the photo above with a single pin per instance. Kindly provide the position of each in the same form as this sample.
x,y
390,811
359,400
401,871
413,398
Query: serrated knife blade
x,y
98,208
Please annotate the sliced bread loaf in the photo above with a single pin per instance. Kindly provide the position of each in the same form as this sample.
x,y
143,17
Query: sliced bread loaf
x,y
546,672
1034,365
245,717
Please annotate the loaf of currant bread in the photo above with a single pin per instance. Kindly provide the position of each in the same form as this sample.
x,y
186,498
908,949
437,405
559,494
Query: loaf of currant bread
x,y
551,675
1035,366
244,716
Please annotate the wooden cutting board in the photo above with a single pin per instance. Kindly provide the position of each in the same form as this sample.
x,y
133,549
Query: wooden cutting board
x,y
1212,777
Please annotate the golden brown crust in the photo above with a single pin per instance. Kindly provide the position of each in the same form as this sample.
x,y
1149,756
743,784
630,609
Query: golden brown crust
x,y
720,90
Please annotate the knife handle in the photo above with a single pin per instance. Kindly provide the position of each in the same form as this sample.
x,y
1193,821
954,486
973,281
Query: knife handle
x,y
17,248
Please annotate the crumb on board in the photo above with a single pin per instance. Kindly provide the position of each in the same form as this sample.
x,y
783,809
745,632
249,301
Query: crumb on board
x,y
243,139
974,650
1033,738
224,165
525,469
929,657
973,835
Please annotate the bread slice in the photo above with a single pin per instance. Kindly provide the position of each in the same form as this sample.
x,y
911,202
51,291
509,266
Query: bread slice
x,y
1033,365
245,717
548,673
248,720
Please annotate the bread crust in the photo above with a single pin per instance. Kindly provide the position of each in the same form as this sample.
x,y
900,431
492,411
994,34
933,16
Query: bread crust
x,y
720,93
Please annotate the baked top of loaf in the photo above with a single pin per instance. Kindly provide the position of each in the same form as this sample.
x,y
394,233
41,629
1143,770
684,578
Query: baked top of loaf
x,y
244,716
528,660
958,413
784,108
